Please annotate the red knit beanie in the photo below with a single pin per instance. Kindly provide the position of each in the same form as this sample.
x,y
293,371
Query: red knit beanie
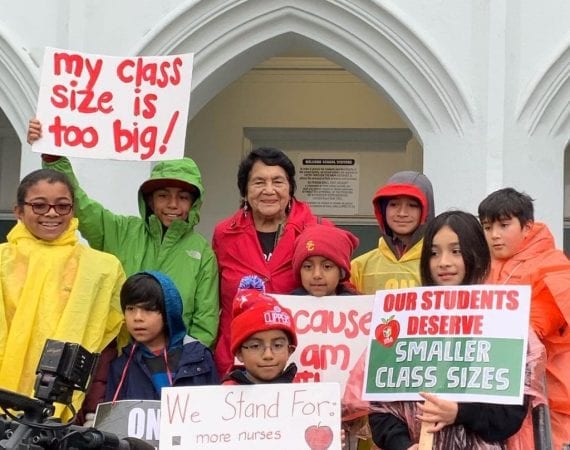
x,y
255,311
329,242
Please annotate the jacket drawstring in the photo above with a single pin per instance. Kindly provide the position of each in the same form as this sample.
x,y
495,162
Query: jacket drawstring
x,y
124,373
506,280
168,374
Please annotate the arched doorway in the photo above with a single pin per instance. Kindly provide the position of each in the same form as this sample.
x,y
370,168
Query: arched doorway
x,y
237,41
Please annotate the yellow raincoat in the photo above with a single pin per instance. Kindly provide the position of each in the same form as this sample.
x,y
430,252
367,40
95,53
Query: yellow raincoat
x,y
393,265
59,290
380,269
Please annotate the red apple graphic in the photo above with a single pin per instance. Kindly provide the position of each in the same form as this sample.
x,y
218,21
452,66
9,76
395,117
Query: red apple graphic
x,y
387,332
319,437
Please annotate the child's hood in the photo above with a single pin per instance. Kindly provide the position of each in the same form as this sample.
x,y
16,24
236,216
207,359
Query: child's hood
x,y
173,309
184,170
407,182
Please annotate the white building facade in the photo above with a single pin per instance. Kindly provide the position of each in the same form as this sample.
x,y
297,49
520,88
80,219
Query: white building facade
x,y
474,93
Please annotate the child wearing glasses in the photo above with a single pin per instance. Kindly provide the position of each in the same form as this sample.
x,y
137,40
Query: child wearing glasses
x,y
263,337
160,353
52,286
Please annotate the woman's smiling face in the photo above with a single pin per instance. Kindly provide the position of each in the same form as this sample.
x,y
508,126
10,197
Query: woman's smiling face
x,y
268,191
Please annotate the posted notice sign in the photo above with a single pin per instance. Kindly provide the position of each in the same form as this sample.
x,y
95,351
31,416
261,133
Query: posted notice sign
x,y
332,333
131,108
261,416
464,343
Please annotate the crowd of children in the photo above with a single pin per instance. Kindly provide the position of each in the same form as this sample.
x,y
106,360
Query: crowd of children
x,y
170,309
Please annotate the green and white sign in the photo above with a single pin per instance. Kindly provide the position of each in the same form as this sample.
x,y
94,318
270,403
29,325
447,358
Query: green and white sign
x,y
464,343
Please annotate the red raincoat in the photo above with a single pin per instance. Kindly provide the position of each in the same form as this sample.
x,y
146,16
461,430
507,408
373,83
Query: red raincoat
x,y
239,253
547,271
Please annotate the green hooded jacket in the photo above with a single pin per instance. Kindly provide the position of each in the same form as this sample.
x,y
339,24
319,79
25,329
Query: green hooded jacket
x,y
142,243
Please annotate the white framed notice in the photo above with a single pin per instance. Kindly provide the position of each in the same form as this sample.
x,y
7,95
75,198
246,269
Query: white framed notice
x,y
329,182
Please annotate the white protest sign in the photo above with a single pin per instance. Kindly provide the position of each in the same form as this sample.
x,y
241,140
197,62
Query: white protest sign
x,y
332,333
464,343
260,416
130,418
130,108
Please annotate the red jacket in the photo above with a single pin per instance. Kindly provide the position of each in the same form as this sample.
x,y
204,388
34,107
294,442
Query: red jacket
x,y
239,253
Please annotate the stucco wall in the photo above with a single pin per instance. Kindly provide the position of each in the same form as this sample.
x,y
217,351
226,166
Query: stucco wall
x,y
499,69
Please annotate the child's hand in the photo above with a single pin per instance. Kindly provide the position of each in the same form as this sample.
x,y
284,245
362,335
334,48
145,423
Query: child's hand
x,y
89,420
34,130
437,411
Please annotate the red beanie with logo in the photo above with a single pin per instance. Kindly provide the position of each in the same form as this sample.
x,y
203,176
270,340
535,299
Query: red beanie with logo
x,y
254,311
332,243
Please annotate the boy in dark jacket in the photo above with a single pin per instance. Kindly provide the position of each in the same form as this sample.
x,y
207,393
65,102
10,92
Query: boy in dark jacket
x,y
263,336
160,353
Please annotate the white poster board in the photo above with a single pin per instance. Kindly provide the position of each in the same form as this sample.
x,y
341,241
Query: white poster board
x,y
260,416
129,108
332,333
463,343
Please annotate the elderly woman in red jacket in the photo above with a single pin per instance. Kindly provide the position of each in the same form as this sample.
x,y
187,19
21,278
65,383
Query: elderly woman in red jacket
x,y
259,238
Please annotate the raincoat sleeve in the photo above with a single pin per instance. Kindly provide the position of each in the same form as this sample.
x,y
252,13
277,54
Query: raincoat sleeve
x,y
353,407
389,432
115,327
551,290
490,421
3,326
535,391
202,323
356,273
103,229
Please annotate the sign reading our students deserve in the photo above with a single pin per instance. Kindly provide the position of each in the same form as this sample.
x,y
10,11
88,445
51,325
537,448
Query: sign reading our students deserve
x,y
131,108
332,333
465,343
261,416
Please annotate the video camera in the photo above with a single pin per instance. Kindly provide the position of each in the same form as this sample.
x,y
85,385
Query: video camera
x,y
63,368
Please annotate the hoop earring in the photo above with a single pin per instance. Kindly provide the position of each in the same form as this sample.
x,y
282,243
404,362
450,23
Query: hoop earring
x,y
288,209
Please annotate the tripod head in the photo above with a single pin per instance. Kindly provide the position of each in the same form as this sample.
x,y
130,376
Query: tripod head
x,y
63,368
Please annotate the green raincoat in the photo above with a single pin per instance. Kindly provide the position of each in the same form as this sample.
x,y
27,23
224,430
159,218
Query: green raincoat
x,y
142,243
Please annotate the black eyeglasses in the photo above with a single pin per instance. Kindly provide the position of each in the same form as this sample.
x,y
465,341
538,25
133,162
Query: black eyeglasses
x,y
39,208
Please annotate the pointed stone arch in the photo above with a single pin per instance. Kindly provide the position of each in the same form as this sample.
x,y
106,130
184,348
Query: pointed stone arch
x,y
228,38
18,83
547,105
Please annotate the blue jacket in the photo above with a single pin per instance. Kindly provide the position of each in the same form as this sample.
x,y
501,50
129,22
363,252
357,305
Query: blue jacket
x,y
191,363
